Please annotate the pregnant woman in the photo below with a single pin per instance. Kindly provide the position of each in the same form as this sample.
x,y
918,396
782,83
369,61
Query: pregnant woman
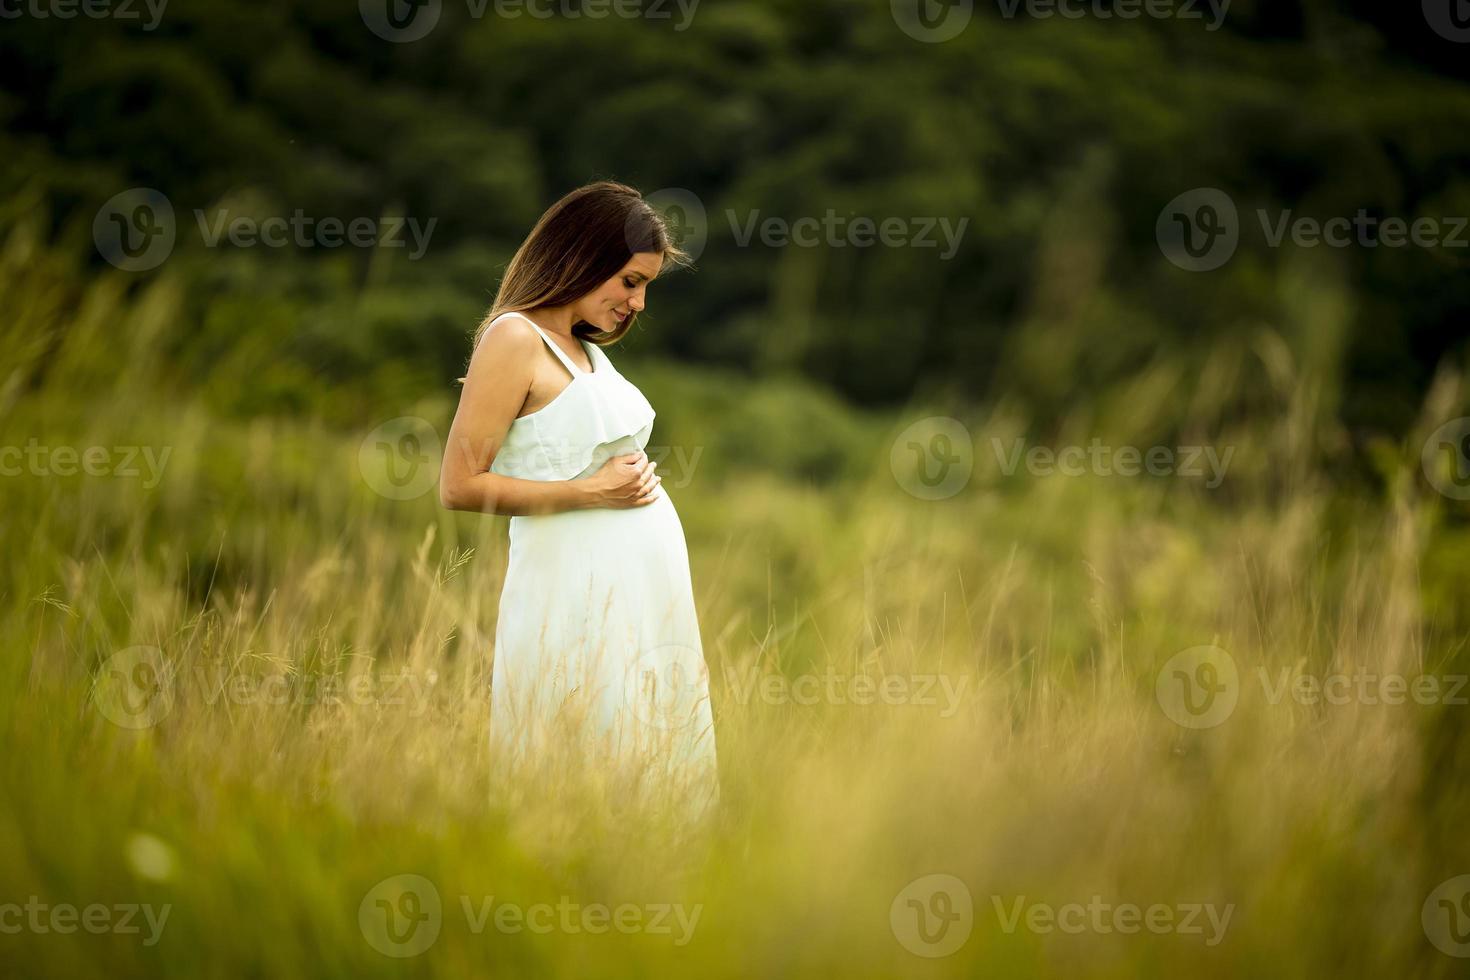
x,y
598,659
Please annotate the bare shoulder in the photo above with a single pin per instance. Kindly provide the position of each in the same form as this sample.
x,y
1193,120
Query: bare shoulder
x,y
510,341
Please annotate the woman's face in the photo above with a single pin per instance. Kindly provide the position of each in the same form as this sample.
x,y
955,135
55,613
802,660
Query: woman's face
x,y
607,306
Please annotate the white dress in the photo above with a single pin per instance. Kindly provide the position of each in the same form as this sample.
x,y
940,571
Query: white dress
x,y
597,637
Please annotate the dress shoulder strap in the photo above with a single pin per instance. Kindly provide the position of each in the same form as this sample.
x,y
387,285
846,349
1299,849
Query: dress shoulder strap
x,y
561,355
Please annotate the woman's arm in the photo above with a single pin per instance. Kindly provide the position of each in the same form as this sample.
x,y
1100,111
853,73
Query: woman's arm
x,y
495,387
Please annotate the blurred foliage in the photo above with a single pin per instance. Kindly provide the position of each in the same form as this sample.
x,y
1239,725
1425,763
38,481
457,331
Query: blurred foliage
x,y
268,552
260,373
1059,139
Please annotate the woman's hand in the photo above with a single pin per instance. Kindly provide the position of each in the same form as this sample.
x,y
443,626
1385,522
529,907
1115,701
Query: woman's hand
x,y
625,481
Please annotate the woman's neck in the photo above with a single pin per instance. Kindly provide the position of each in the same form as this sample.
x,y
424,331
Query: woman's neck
x,y
557,319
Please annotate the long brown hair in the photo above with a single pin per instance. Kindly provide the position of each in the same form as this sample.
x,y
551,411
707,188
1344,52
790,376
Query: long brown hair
x,y
577,245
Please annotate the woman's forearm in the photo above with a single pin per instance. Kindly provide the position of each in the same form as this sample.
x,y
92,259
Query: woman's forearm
x,y
491,493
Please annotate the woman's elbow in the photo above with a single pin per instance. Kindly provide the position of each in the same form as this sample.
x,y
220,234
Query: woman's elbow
x,y
451,495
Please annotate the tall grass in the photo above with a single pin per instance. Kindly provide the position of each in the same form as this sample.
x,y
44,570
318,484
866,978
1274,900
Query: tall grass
x,y
328,654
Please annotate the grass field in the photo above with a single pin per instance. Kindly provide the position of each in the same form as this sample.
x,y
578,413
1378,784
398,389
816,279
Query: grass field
x,y
1087,725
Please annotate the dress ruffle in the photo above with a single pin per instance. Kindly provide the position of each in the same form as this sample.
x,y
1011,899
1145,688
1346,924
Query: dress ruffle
x,y
597,416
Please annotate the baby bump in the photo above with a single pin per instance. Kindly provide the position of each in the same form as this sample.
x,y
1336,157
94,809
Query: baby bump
x,y
630,559
647,532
